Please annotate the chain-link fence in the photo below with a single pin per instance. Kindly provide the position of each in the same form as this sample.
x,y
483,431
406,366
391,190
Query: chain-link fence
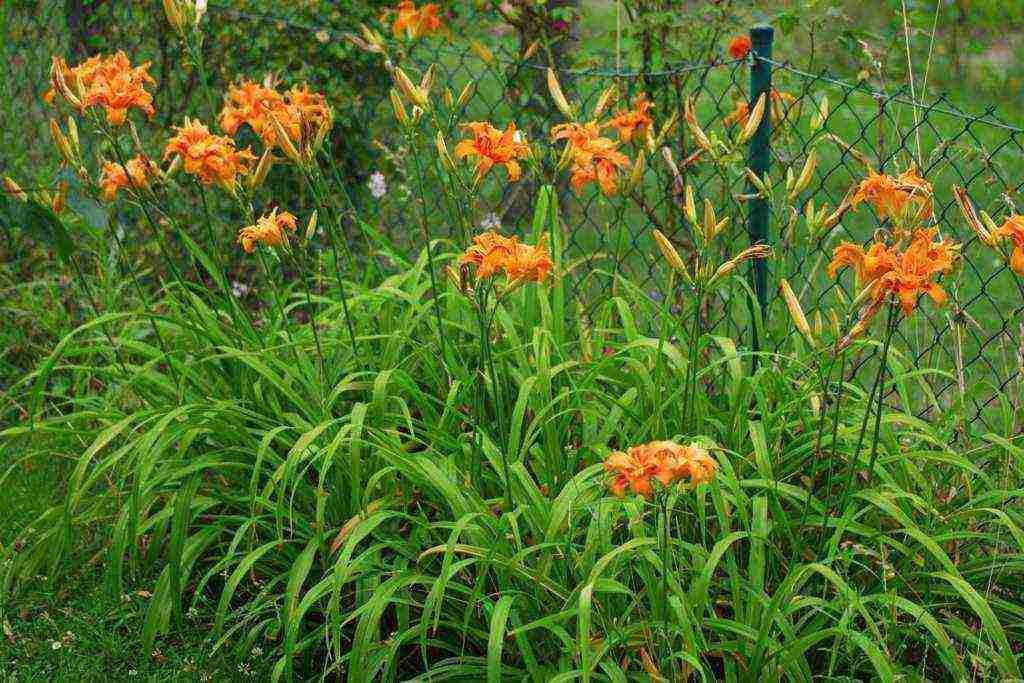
x,y
968,351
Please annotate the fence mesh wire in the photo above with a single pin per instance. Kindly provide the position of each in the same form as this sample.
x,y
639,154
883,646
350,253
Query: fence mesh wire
x,y
974,340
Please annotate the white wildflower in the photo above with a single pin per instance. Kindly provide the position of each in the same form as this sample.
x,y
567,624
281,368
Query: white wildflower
x,y
491,221
378,186
239,289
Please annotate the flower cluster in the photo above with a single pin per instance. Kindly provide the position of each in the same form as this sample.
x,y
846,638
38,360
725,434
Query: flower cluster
x,y
636,121
493,147
270,230
492,253
594,158
666,461
413,22
109,82
134,175
298,111
212,159
906,198
887,274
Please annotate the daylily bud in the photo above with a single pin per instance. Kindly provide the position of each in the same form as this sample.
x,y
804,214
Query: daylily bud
x,y
76,145
971,216
669,252
637,174
698,133
136,140
14,189
60,198
427,82
710,219
754,120
373,39
796,312
838,214
442,151
448,98
262,168
286,143
758,183
568,154
818,323
412,93
311,226
481,51
62,142
173,168
666,129
358,42
805,175
866,315
530,50
396,104
557,95
466,94
604,100
690,206
756,251
174,17
60,84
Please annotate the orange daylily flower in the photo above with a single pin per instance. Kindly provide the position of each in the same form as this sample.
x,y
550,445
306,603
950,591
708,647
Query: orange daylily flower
x,y
635,121
300,111
415,23
907,196
110,82
491,253
739,47
1013,229
594,158
493,147
868,265
530,263
270,230
114,176
213,159
890,275
666,461
578,134
117,86
251,103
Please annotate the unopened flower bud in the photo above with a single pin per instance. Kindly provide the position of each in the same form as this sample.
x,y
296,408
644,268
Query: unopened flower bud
x,y
558,96
399,107
669,252
754,120
14,189
311,226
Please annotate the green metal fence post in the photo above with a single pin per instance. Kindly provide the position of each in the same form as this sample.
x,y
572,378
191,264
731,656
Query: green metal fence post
x,y
758,160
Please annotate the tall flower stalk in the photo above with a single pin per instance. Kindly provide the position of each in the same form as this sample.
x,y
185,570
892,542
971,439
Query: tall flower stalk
x,y
493,257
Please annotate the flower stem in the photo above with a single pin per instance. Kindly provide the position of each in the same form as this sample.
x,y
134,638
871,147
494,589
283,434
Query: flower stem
x,y
890,327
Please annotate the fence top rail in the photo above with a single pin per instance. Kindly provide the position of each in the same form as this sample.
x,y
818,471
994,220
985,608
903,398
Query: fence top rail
x,y
681,68
940,105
